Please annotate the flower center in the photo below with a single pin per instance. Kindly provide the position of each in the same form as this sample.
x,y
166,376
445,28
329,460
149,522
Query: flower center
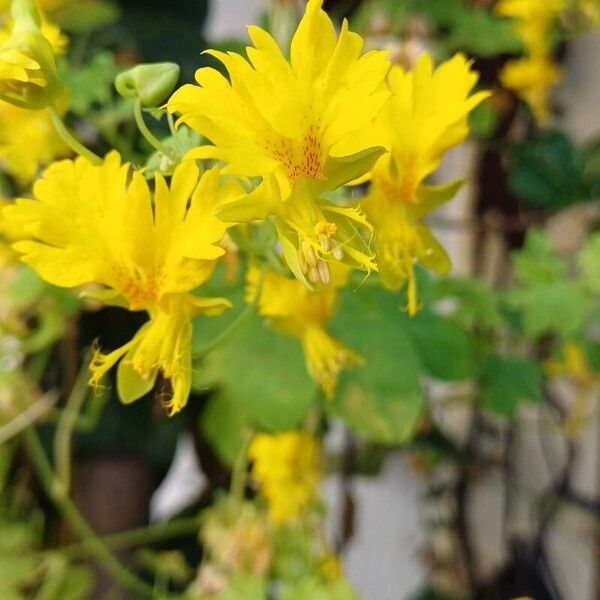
x,y
300,159
138,288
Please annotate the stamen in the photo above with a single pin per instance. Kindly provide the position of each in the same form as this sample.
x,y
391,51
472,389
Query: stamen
x,y
302,262
314,275
338,253
309,254
324,240
324,272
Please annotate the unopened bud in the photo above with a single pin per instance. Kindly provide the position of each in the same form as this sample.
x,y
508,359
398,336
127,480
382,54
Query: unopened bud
x,y
151,83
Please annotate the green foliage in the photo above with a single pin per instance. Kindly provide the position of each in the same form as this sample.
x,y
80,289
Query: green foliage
x,y
91,83
507,381
381,400
89,16
180,142
475,30
588,261
223,424
549,172
483,120
315,589
468,29
475,303
49,577
255,367
243,586
547,300
445,349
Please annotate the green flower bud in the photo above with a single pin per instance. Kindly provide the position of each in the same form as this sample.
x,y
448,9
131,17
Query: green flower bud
x,y
151,83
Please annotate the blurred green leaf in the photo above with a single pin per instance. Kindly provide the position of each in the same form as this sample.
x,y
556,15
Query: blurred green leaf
x,y
475,302
548,172
223,424
91,83
316,589
260,370
445,349
84,16
507,381
244,587
545,298
588,261
381,400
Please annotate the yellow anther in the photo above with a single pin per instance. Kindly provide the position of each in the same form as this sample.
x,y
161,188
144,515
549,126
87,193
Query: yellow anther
x,y
325,228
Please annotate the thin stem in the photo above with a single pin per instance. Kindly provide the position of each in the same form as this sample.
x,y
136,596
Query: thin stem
x,y
57,493
240,471
150,137
139,536
171,122
237,321
66,425
29,416
69,139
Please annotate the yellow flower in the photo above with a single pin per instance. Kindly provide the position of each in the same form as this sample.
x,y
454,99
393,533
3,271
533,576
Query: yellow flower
x,y
574,366
425,116
58,40
33,143
102,225
9,234
532,78
287,468
302,313
301,126
28,76
532,20
402,241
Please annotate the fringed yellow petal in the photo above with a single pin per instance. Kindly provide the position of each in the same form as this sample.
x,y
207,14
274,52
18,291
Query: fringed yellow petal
x,y
326,358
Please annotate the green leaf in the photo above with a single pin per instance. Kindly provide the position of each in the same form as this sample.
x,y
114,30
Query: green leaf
x,y
183,140
244,587
475,30
91,83
549,172
381,400
86,15
316,589
261,370
445,349
475,302
547,301
222,423
588,261
507,381
483,120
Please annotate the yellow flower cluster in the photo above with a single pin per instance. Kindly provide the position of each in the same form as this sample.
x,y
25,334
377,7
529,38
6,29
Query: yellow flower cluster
x,y
330,115
91,224
300,126
533,75
287,468
34,142
424,117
